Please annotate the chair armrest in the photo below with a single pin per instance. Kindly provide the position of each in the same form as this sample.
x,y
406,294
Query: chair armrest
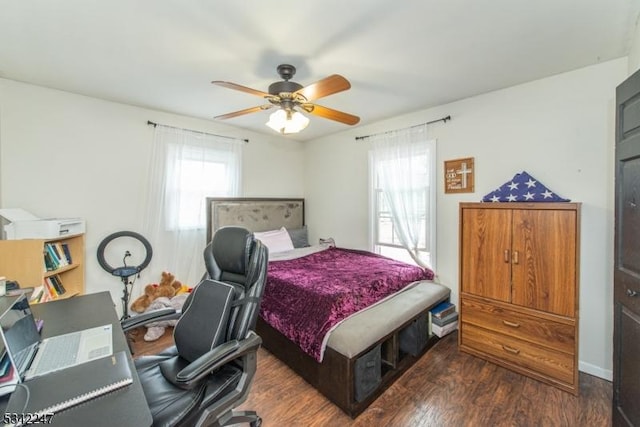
x,y
218,357
148,317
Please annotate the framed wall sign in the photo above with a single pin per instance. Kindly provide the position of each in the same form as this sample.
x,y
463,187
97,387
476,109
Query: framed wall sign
x,y
459,175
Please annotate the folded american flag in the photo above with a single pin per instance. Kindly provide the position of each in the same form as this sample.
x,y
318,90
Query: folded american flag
x,y
523,188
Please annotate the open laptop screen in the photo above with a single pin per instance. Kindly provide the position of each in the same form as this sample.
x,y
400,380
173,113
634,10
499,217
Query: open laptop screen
x,y
20,333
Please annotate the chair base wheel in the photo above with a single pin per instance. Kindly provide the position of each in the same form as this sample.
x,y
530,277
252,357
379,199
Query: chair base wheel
x,y
256,423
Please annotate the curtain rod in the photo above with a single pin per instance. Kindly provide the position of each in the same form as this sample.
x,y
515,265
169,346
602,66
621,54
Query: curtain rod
x,y
150,123
443,119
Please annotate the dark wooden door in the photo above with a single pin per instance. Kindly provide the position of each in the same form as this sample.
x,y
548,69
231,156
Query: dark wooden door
x,y
626,300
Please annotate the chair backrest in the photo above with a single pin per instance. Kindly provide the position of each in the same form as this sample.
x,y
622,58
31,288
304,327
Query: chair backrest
x,y
227,257
235,257
204,320
225,305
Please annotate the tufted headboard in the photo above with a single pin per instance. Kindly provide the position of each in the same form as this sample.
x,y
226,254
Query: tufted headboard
x,y
255,214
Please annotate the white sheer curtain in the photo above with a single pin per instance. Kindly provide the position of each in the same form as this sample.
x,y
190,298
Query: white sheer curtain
x,y
402,162
186,167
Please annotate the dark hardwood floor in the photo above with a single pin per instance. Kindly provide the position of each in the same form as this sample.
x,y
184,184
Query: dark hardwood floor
x,y
444,388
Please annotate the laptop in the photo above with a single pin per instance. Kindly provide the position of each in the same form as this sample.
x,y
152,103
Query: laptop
x,y
32,357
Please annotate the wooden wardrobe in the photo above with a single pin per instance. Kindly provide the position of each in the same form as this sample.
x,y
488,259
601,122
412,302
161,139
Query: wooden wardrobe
x,y
519,275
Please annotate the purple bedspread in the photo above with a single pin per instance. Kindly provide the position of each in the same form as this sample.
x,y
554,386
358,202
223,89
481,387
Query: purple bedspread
x,y
306,297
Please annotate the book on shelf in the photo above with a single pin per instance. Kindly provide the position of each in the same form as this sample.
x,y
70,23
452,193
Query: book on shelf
x,y
442,309
57,248
451,317
55,262
49,289
55,252
441,331
56,283
52,255
60,251
62,288
67,252
56,255
38,294
49,264
53,286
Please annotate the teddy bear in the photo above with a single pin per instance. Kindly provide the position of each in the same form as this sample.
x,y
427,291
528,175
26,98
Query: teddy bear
x,y
167,288
156,329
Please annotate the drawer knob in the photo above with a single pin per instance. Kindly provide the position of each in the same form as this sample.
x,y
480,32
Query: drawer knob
x,y
632,293
512,324
510,349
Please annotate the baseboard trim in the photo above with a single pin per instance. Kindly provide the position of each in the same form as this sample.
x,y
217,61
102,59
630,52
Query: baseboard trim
x,y
588,368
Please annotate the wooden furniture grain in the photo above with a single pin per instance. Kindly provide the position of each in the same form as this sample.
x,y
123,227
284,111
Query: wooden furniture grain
x,y
23,260
519,293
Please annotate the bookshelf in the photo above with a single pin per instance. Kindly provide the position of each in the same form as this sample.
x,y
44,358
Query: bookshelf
x,y
24,261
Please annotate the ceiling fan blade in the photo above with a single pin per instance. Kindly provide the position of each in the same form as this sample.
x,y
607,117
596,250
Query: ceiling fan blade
x,y
331,114
325,87
241,88
243,112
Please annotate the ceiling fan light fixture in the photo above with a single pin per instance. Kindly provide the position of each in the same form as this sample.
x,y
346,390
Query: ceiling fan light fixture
x,y
287,121
292,100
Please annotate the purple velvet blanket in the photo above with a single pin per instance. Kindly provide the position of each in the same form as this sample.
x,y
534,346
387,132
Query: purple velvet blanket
x,y
306,297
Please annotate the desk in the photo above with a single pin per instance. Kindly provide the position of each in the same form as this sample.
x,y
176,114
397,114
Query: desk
x,y
125,407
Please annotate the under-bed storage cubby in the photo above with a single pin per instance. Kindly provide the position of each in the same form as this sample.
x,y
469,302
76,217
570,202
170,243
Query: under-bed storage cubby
x,y
367,373
353,383
414,338
390,353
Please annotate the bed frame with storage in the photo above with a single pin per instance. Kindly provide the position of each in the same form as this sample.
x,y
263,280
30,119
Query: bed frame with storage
x,y
350,375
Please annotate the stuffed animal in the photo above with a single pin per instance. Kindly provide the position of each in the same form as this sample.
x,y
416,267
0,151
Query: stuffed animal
x,y
168,287
156,329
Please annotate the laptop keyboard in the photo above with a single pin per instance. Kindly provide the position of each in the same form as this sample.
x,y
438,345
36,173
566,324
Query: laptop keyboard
x,y
21,358
59,353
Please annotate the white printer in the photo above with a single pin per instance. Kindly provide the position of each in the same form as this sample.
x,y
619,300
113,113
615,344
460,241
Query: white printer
x,y
24,225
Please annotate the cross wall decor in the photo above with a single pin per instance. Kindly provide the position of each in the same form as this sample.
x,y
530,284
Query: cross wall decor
x,y
459,175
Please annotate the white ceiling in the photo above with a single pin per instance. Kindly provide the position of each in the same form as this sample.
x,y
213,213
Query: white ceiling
x,y
399,55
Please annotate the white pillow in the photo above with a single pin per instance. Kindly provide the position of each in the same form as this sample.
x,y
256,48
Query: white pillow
x,y
275,240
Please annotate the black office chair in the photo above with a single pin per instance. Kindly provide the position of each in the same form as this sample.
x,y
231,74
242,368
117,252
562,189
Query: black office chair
x,y
211,368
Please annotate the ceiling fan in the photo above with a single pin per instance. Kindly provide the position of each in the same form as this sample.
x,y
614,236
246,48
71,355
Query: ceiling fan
x,y
291,98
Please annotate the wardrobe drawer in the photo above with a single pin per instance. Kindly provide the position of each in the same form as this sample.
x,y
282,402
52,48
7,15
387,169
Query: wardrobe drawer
x,y
544,361
538,330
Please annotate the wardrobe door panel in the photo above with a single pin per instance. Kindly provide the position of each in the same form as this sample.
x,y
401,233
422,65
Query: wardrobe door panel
x,y
486,251
544,260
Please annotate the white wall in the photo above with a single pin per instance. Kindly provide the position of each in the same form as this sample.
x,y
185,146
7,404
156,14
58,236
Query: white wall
x,y
68,155
65,155
559,129
634,51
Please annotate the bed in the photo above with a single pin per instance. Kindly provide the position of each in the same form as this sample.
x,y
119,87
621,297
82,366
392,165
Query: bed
x,y
368,344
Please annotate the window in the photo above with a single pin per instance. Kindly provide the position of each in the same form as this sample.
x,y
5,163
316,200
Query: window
x,y
403,202
185,168
198,172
